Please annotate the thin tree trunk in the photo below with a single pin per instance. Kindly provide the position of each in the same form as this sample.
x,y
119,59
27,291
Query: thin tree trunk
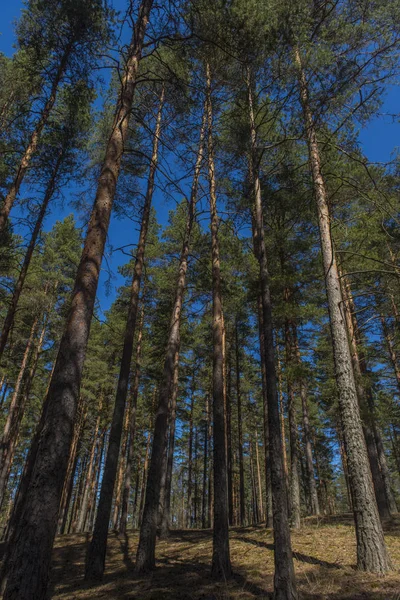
x,y
132,426
311,484
165,519
221,565
11,427
121,470
284,579
364,402
268,502
260,494
189,514
145,558
71,469
294,489
229,436
205,471
89,478
242,513
31,553
391,350
33,142
371,549
144,477
96,555
93,499
9,320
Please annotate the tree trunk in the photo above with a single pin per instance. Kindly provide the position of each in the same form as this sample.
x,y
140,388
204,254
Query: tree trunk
x,y
311,485
71,469
205,471
242,513
145,558
165,518
371,548
229,436
221,565
96,555
391,350
144,477
284,579
189,513
132,426
11,428
268,501
294,489
9,320
121,470
89,479
260,494
33,142
31,554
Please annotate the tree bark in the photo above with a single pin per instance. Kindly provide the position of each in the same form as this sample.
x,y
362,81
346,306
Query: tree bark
x,y
145,558
294,488
284,579
89,478
221,565
132,426
96,555
31,554
311,484
371,548
15,409
189,512
165,518
242,499
364,398
268,501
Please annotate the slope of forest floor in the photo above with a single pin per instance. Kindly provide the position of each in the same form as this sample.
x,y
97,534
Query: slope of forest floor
x,y
324,552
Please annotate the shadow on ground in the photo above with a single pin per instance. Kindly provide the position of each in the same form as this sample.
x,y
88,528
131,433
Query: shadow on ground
x,y
324,556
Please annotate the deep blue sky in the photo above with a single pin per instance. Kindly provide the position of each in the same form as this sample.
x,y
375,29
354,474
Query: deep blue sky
x,y
379,139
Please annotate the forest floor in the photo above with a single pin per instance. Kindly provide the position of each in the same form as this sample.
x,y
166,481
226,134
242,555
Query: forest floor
x,y
324,551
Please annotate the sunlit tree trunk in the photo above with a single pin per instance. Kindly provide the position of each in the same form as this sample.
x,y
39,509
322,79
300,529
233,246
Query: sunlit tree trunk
x,y
371,548
284,579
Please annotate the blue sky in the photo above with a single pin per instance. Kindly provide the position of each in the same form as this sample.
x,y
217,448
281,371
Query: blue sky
x,y
379,139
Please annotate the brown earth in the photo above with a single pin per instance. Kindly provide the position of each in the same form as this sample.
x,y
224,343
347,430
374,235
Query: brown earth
x,y
324,551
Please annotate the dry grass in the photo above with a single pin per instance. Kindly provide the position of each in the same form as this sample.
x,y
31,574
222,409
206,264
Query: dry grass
x,y
324,561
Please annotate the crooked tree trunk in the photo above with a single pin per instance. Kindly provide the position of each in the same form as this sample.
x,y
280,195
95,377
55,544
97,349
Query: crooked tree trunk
x,y
132,426
312,487
221,565
9,320
31,553
371,548
96,555
145,557
33,142
284,579
294,487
